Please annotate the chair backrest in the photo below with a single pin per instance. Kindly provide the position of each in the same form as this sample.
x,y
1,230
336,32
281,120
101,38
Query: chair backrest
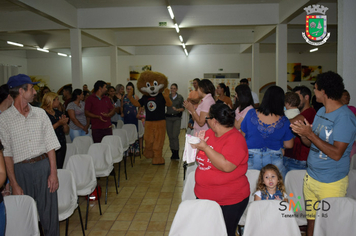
x,y
82,167
102,159
21,215
71,150
353,162
83,143
265,216
252,177
68,139
141,129
294,185
119,124
131,132
124,138
198,218
188,189
336,216
67,194
351,189
115,144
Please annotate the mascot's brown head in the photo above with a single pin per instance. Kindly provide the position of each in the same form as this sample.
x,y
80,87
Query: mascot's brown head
x,y
152,83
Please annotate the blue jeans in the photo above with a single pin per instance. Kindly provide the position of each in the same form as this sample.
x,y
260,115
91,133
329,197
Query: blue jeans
x,y
76,132
293,164
258,158
2,219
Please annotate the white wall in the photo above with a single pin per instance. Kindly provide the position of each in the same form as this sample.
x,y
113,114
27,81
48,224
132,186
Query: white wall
x,y
178,68
15,58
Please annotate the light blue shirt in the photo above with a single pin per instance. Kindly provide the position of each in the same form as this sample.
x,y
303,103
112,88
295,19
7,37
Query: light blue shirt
x,y
339,125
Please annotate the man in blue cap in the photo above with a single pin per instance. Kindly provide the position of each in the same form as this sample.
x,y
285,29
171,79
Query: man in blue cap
x,y
29,144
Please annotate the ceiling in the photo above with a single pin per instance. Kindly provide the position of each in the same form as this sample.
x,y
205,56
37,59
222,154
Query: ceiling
x,y
228,26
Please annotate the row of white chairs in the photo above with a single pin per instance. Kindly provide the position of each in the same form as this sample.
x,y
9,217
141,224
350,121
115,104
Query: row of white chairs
x,y
21,210
293,183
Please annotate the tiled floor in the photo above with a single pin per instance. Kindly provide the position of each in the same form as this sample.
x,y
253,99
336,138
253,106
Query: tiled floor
x,y
146,203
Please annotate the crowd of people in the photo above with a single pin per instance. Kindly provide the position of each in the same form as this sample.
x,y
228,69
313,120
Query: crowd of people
x,y
280,134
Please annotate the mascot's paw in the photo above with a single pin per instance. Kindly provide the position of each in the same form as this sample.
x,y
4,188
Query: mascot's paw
x,y
158,161
148,154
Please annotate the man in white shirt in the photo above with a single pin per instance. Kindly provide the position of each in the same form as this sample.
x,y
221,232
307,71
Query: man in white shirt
x,y
256,101
29,149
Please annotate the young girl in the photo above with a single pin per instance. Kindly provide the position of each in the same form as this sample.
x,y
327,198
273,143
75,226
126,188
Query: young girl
x,y
270,184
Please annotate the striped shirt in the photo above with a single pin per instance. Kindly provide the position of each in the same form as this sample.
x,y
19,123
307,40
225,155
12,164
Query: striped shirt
x,y
26,137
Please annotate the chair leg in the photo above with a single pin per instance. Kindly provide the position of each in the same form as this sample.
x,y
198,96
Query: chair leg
x,y
97,190
185,169
87,213
114,174
118,177
80,217
67,223
106,190
125,159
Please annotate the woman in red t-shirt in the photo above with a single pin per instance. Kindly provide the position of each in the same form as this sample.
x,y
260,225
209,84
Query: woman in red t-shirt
x,y
222,157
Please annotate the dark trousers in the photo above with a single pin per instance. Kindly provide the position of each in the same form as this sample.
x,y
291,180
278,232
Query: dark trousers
x,y
32,178
98,134
173,130
60,155
232,215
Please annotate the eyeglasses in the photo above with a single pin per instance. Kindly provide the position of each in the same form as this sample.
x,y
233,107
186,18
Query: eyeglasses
x,y
208,118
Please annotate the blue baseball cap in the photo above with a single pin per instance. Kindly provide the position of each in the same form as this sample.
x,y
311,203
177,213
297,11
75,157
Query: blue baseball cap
x,y
18,80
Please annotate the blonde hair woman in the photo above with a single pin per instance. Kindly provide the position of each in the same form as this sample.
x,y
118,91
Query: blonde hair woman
x,y
50,103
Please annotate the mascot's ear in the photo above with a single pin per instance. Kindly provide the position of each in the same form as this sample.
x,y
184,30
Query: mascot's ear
x,y
162,79
141,82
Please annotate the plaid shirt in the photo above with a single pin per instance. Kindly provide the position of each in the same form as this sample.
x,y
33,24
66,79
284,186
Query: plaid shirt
x,y
26,137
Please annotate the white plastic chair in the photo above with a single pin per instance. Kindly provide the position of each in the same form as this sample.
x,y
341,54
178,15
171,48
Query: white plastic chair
x,y
21,215
294,185
141,132
125,144
119,124
353,162
336,216
68,139
132,135
71,150
117,151
198,218
103,164
82,167
252,177
351,190
83,143
265,216
188,189
67,197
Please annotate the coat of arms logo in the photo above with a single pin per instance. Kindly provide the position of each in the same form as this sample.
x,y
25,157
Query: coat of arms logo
x,y
315,25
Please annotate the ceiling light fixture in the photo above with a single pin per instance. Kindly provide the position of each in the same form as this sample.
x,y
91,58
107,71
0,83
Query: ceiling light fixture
x,y
181,38
177,27
62,54
42,50
170,12
15,44
186,52
183,45
313,50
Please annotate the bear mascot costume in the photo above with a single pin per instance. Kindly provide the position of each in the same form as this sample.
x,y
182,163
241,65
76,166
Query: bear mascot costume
x,y
151,85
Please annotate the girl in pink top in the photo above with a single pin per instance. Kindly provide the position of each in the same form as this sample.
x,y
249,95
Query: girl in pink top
x,y
244,102
206,91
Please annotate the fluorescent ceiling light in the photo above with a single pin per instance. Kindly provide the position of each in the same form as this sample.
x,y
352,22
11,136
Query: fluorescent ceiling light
x,y
170,12
181,38
70,55
183,45
42,50
62,54
177,27
15,44
185,51
313,50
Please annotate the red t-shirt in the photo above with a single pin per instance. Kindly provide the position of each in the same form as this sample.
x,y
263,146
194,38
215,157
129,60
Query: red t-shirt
x,y
97,106
213,184
300,151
